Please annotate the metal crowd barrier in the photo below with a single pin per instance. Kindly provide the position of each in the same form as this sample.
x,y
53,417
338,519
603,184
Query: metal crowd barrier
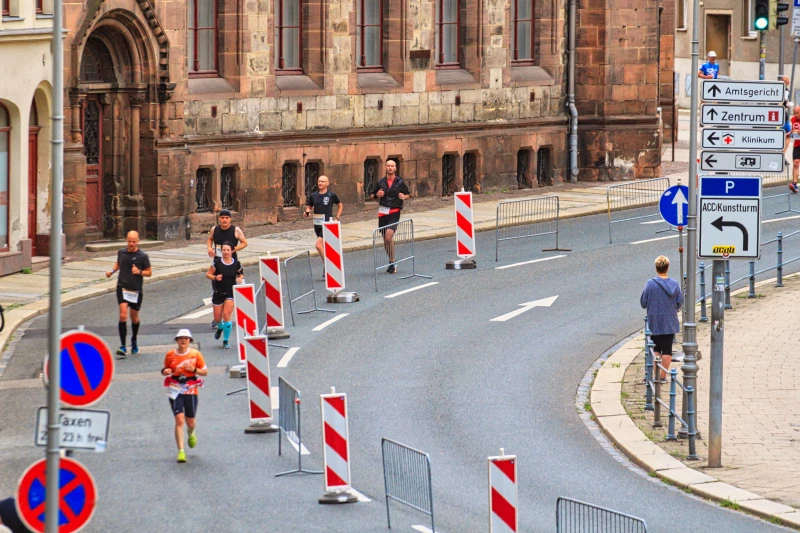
x,y
401,246
526,218
289,424
407,478
653,401
300,282
574,516
632,195
769,181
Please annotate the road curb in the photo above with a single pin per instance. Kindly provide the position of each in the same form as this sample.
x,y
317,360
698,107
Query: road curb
x,y
606,404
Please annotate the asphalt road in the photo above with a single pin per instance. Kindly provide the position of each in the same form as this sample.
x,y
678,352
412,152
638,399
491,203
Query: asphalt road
x,y
428,368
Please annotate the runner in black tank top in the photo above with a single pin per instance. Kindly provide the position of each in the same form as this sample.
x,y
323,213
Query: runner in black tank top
x,y
224,273
225,232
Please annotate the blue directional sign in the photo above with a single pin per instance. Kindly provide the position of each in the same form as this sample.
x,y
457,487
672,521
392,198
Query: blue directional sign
x,y
730,217
674,205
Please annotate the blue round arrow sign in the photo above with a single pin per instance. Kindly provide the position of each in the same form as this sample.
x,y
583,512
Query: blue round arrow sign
x,y
674,205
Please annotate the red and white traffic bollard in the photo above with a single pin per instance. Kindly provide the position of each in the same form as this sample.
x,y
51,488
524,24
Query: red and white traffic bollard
x,y
270,270
244,311
259,392
465,233
336,446
503,512
334,264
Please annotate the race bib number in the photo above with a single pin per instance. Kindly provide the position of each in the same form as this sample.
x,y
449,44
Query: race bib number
x,y
218,251
795,135
174,389
383,210
319,219
130,296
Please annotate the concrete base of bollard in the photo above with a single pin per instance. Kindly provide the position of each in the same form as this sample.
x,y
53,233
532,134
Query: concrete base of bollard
x,y
237,371
257,427
343,298
276,334
338,497
461,264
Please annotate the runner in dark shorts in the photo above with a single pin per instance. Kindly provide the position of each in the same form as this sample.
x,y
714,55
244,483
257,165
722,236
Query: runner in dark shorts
x,y
224,273
390,193
663,299
320,203
133,266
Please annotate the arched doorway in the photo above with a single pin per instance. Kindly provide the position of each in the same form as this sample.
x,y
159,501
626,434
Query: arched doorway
x,y
33,173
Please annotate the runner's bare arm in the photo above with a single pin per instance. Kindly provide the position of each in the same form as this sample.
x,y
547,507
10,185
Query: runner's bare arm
x,y
339,213
210,242
147,272
212,273
113,269
242,241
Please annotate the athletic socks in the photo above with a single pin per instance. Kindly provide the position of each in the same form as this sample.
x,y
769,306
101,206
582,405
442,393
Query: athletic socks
x,y
123,331
226,328
134,332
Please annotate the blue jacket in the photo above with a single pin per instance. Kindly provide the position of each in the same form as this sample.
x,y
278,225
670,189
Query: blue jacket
x,y
662,297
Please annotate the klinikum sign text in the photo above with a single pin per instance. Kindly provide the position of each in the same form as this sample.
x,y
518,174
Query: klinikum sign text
x,y
742,115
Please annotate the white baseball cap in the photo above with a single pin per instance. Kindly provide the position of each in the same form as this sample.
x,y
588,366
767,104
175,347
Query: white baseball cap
x,y
712,53
183,333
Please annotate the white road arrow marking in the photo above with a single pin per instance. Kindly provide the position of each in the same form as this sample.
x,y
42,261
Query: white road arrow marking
x,y
544,302
680,200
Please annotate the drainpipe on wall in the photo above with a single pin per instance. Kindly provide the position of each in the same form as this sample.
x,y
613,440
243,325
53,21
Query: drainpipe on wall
x,y
573,111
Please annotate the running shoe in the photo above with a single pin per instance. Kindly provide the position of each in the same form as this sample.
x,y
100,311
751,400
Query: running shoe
x,y
213,323
218,334
392,269
134,348
793,187
225,345
192,440
121,351
181,456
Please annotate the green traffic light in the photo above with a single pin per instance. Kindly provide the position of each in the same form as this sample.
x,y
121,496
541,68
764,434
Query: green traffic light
x,y
761,23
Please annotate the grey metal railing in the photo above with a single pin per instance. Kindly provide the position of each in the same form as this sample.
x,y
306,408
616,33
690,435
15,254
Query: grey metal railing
x,y
574,516
407,478
300,282
289,424
634,195
526,218
653,401
779,182
393,244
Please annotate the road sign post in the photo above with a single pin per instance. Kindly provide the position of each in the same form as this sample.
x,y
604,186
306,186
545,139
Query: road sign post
x,y
715,383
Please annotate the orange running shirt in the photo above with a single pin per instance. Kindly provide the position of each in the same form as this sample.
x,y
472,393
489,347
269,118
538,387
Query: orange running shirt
x,y
178,363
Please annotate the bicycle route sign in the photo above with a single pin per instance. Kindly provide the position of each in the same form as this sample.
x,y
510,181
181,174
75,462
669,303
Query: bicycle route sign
x,y
77,496
730,217
87,368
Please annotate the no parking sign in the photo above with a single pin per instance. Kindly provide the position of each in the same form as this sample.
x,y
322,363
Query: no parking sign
x,y
87,368
76,500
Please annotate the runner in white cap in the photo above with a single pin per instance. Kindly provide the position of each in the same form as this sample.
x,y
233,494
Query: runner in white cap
x,y
181,368
710,69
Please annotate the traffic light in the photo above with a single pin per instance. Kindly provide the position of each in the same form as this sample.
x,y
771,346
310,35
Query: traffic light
x,y
776,19
761,21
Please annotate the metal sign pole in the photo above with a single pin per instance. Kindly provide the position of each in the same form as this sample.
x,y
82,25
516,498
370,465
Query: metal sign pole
x,y
54,326
715,385
689,366
762,54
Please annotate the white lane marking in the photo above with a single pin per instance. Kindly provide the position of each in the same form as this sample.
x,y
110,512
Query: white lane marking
x,y
530,262
361,497
412,289
273,398
651,222
544,302
329,322
656,239
294,445
423,529
199,313
287,357
779,219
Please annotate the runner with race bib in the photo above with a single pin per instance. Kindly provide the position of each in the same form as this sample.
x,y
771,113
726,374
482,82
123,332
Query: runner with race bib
x,y
321,203
390,193
133,266
182,366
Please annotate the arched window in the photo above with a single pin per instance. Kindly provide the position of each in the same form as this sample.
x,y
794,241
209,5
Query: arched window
x,y
523,31
5,168
203,37
96,64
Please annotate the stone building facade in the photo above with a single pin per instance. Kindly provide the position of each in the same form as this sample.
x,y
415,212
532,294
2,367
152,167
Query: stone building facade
x,y
26,66
181,107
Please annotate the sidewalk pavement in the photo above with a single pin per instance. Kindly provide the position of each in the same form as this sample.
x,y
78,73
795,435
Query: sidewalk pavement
x,y
24,296
761,409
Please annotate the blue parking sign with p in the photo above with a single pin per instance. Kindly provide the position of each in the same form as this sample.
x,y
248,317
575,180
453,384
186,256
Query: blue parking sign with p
x,y
674,204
